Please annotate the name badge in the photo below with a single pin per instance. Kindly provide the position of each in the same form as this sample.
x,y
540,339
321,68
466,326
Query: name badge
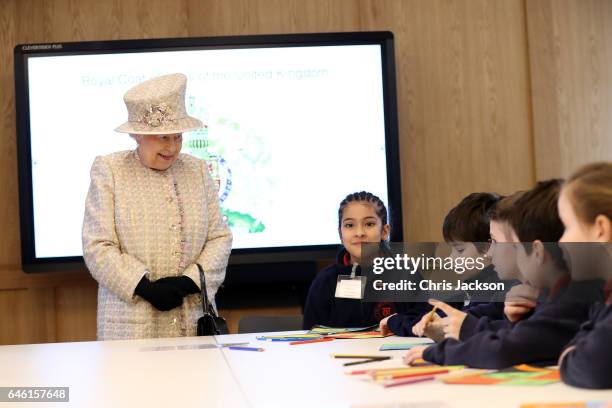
x,y
350,287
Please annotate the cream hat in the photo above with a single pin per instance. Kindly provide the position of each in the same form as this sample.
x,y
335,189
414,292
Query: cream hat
x,y
157,106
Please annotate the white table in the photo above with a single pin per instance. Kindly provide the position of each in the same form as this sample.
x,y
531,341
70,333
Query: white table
x,y
125,373
306,375
172,372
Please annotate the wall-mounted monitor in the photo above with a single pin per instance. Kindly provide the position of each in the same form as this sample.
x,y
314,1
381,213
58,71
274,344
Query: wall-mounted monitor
x,y
295,122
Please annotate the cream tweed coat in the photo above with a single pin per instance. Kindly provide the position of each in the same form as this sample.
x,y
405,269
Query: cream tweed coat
x,y
160,223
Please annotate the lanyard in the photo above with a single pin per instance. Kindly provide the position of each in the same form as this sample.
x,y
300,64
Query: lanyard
x,y
355,265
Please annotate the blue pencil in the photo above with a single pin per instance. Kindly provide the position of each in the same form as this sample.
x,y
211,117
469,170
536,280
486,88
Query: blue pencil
x,y
293,338
246,348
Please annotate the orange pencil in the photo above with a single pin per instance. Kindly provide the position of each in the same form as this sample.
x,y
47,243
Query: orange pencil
x,y
295,343
408,381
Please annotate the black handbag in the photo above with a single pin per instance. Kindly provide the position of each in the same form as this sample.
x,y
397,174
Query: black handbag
x,y
209,324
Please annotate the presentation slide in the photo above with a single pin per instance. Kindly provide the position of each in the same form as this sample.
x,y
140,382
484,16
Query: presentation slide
x,y
291,131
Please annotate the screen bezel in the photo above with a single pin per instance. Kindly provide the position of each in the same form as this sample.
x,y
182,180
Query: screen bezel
x,y
30,263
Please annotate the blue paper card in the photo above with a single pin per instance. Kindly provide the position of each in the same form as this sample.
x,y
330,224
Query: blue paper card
x,y
401,346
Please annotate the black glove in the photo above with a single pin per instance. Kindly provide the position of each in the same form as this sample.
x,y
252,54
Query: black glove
x,y
163,296
182,283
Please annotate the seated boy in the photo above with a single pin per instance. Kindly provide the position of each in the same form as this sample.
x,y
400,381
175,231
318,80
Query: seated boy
x,y
463,323
465,228
539,338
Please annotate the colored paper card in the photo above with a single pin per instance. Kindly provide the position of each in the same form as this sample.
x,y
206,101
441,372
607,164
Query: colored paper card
x,y
528,382
472,380
527,367
553,375
512,376
517,375
401,346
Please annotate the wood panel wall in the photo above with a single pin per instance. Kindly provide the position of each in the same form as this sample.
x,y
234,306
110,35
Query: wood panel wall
x,y
570,48
478,107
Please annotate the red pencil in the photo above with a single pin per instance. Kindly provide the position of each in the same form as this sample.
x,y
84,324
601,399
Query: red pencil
x,y
295,343
358,372
409,381
428,373
374,372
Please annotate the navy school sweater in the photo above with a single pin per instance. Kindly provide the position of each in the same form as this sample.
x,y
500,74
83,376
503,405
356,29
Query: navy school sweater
x,y
402,325
483,317
536,340
323,308
589,365
486,316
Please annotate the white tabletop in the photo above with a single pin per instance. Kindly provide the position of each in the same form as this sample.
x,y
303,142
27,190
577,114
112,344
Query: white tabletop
x,y
306,375
138,373
183,372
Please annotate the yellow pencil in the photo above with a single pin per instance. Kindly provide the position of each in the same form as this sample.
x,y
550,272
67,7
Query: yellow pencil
x,y
377,374
431,314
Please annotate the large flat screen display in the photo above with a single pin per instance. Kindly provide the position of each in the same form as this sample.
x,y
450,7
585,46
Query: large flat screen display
x,y
294,124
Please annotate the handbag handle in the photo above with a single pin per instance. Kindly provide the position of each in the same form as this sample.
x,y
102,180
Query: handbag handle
x,y
206,306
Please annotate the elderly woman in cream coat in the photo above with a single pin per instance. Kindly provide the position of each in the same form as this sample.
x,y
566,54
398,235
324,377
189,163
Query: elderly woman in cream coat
x,y
151,215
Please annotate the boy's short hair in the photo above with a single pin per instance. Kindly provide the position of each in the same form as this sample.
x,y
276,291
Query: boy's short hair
x,y
534,216
501,212
469,220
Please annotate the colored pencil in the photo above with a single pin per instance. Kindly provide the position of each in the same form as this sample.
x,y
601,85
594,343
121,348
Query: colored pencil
x,y
296,343
232,344
409,381
355,356
371,360
294,339
409,375
246,348
358,372
431,314
404,370
399,370
419,362
378,374
287,337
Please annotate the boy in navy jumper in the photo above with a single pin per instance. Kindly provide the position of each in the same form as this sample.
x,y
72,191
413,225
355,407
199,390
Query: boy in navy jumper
x,y
540,338
466,229
585,207
362,218
461,324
